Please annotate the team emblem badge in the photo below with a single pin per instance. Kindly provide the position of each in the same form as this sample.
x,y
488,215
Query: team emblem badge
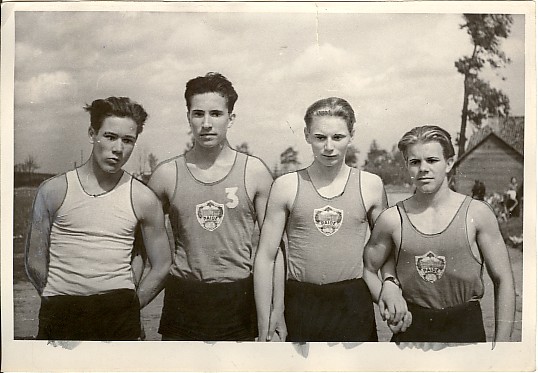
x,y
430,266
210,214
328,219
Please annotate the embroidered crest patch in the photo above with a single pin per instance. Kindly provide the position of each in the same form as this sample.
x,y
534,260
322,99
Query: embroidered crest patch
x,y
430,266
210,214
328,219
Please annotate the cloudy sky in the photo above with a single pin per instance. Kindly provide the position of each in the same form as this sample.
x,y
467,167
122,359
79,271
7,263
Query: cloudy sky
x,y
396,70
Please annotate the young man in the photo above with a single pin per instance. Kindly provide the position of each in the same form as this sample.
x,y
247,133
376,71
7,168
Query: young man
x,y
440,241
214,195
80,242
325,210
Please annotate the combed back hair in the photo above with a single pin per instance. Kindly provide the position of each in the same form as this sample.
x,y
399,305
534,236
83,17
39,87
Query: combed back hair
x,y
426,134
332,106
211,83
122,107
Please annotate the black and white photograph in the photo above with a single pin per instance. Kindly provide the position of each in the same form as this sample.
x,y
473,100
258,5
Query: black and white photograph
x,y
268,186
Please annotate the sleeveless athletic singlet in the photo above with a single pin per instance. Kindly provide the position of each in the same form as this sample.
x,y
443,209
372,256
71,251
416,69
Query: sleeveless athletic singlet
x,y
326,235
91,241
438,270
213,225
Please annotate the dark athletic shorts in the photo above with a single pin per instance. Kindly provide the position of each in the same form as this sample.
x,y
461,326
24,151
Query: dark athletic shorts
x,y
114,316
458,324
337,312
198,311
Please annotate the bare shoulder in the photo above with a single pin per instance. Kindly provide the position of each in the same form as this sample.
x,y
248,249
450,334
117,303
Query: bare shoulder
x,y
481,214
144,199
370,181
285,188
390,218
258,172
52,191
163,178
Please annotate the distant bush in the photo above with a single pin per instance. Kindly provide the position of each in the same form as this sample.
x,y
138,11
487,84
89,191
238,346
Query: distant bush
x,y
29,179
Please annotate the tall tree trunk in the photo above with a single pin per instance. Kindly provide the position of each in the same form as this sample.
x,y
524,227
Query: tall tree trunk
x,y
464,112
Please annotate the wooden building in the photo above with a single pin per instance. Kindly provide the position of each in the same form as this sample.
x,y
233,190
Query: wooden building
x,y
494,154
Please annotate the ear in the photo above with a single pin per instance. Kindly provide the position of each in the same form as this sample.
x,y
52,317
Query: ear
x,y
351,134
307,135
91,134
231,118
449,164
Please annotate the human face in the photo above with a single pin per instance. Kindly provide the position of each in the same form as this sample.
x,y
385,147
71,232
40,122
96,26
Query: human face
x,y
209,119
329,138
113,143
427,166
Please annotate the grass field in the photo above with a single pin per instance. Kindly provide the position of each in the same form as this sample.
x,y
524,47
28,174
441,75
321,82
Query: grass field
x,y
26,300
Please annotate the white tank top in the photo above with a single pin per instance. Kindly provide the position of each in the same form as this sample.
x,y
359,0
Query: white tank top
x,y
91,241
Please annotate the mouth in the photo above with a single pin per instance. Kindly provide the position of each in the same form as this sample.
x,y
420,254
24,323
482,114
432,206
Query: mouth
x,y
113,160
205,135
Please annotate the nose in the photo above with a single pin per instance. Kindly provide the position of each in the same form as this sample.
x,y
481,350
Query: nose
x,y
423,166
117,146
329,146
206,122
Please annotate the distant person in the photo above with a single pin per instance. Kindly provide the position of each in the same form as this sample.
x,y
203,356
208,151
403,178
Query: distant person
x,y
510,199
439,268
80,242
481,191
214,196
325,210
476,189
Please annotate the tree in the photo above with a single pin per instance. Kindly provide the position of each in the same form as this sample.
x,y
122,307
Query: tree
x,y
479,98
352,156
389,166
288,160
152,161
29,165
243,148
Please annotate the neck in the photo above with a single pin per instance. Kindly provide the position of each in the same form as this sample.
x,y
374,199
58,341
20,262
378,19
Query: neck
x,y
436,198
92,169
327,174
210,155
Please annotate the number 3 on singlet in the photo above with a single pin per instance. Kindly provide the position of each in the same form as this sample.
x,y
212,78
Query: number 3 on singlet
x,y
231,194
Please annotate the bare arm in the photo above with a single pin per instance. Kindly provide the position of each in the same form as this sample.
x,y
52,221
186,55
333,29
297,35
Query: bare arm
x,y
47,201
149,211
495,254
264,265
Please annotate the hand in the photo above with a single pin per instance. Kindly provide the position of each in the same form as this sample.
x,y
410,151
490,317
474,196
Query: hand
x,y
279,330
402,325
392,305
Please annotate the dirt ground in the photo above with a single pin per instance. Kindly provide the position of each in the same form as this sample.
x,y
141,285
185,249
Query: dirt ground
x,y
26,302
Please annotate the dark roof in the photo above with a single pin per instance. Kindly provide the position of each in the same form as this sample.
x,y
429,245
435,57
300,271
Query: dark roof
x,y
510,130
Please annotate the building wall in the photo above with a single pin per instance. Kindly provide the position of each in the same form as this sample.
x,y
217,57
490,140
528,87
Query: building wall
x,y
492,162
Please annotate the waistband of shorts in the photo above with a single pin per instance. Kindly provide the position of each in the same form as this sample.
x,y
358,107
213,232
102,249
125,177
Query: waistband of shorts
x,y
332,285
470,305
113,294
195,286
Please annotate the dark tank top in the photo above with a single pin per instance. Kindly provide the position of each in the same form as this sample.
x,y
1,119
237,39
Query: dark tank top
x,y
438,270
213,225
326,235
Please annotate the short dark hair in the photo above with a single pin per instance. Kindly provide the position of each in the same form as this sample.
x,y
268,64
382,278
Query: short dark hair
x,y
122,107
211,83
426,134
331,106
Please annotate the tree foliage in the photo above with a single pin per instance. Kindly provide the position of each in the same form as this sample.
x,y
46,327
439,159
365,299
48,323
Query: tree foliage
x,y
352,156
243,148
153,161
479,98
29,165
389,166
288,161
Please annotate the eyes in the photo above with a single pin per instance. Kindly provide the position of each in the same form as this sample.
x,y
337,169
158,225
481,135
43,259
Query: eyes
x,y
113,137
212,113
336,137
432,160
